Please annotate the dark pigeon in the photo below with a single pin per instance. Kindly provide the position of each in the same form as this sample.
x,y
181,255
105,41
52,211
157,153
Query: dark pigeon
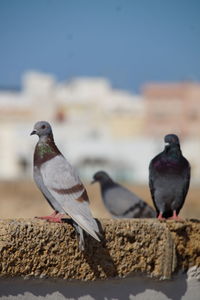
x,y
169,179
120,202
61,185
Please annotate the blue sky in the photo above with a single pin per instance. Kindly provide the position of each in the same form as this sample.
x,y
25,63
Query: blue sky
x,y
128,42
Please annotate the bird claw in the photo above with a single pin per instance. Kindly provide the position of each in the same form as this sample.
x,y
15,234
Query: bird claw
x,y
54,218
160,217
175,217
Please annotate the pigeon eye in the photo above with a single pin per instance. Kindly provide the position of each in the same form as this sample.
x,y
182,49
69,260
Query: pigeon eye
x,y
43,126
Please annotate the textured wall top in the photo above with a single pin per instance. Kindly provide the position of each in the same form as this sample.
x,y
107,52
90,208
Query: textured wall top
x,y
35,248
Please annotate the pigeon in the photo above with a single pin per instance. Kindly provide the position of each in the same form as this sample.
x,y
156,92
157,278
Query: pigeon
x,y
120,202
60,184
169,179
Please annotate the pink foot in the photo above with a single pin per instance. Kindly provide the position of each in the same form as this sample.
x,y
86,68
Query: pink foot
x,y
57,219
54,217
175,217
47,217
160,217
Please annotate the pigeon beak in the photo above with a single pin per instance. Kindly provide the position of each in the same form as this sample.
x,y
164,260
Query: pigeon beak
x,y
33,132
167,144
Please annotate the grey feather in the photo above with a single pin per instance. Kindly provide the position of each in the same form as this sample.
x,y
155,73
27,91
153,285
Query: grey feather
x,y
119,201
60,183
169,178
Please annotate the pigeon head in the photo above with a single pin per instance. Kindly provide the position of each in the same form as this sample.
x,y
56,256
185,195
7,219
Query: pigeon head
x,y
101,177
42,129
171,139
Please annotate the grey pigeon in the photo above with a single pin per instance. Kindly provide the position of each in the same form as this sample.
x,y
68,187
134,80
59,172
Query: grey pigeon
x,y
120,202
60,184
169,179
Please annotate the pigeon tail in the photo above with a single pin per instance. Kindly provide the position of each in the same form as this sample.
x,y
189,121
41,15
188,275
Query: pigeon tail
x,y
87,227
80,234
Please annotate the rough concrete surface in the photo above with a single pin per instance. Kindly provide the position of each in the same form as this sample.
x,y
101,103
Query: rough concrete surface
x,y
32,248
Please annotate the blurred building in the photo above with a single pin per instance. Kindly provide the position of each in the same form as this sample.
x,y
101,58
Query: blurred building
x,y
98,127
172,107
90,119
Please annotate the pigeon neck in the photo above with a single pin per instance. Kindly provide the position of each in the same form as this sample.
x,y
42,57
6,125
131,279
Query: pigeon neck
x,y
107,183
46,139
173,150
45,150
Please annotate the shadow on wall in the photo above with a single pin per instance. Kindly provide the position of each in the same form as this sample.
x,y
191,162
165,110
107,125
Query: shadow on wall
x,y
94,259
101,257
129,288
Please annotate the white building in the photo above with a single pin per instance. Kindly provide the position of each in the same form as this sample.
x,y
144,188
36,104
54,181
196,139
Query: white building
x,y
96,127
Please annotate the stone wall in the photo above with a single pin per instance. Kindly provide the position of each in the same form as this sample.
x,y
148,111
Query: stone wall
x,y
36,250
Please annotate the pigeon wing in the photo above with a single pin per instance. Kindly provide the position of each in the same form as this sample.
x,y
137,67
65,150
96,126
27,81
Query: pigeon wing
x,y
186,179
120,201
123,203
64,184
152,175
